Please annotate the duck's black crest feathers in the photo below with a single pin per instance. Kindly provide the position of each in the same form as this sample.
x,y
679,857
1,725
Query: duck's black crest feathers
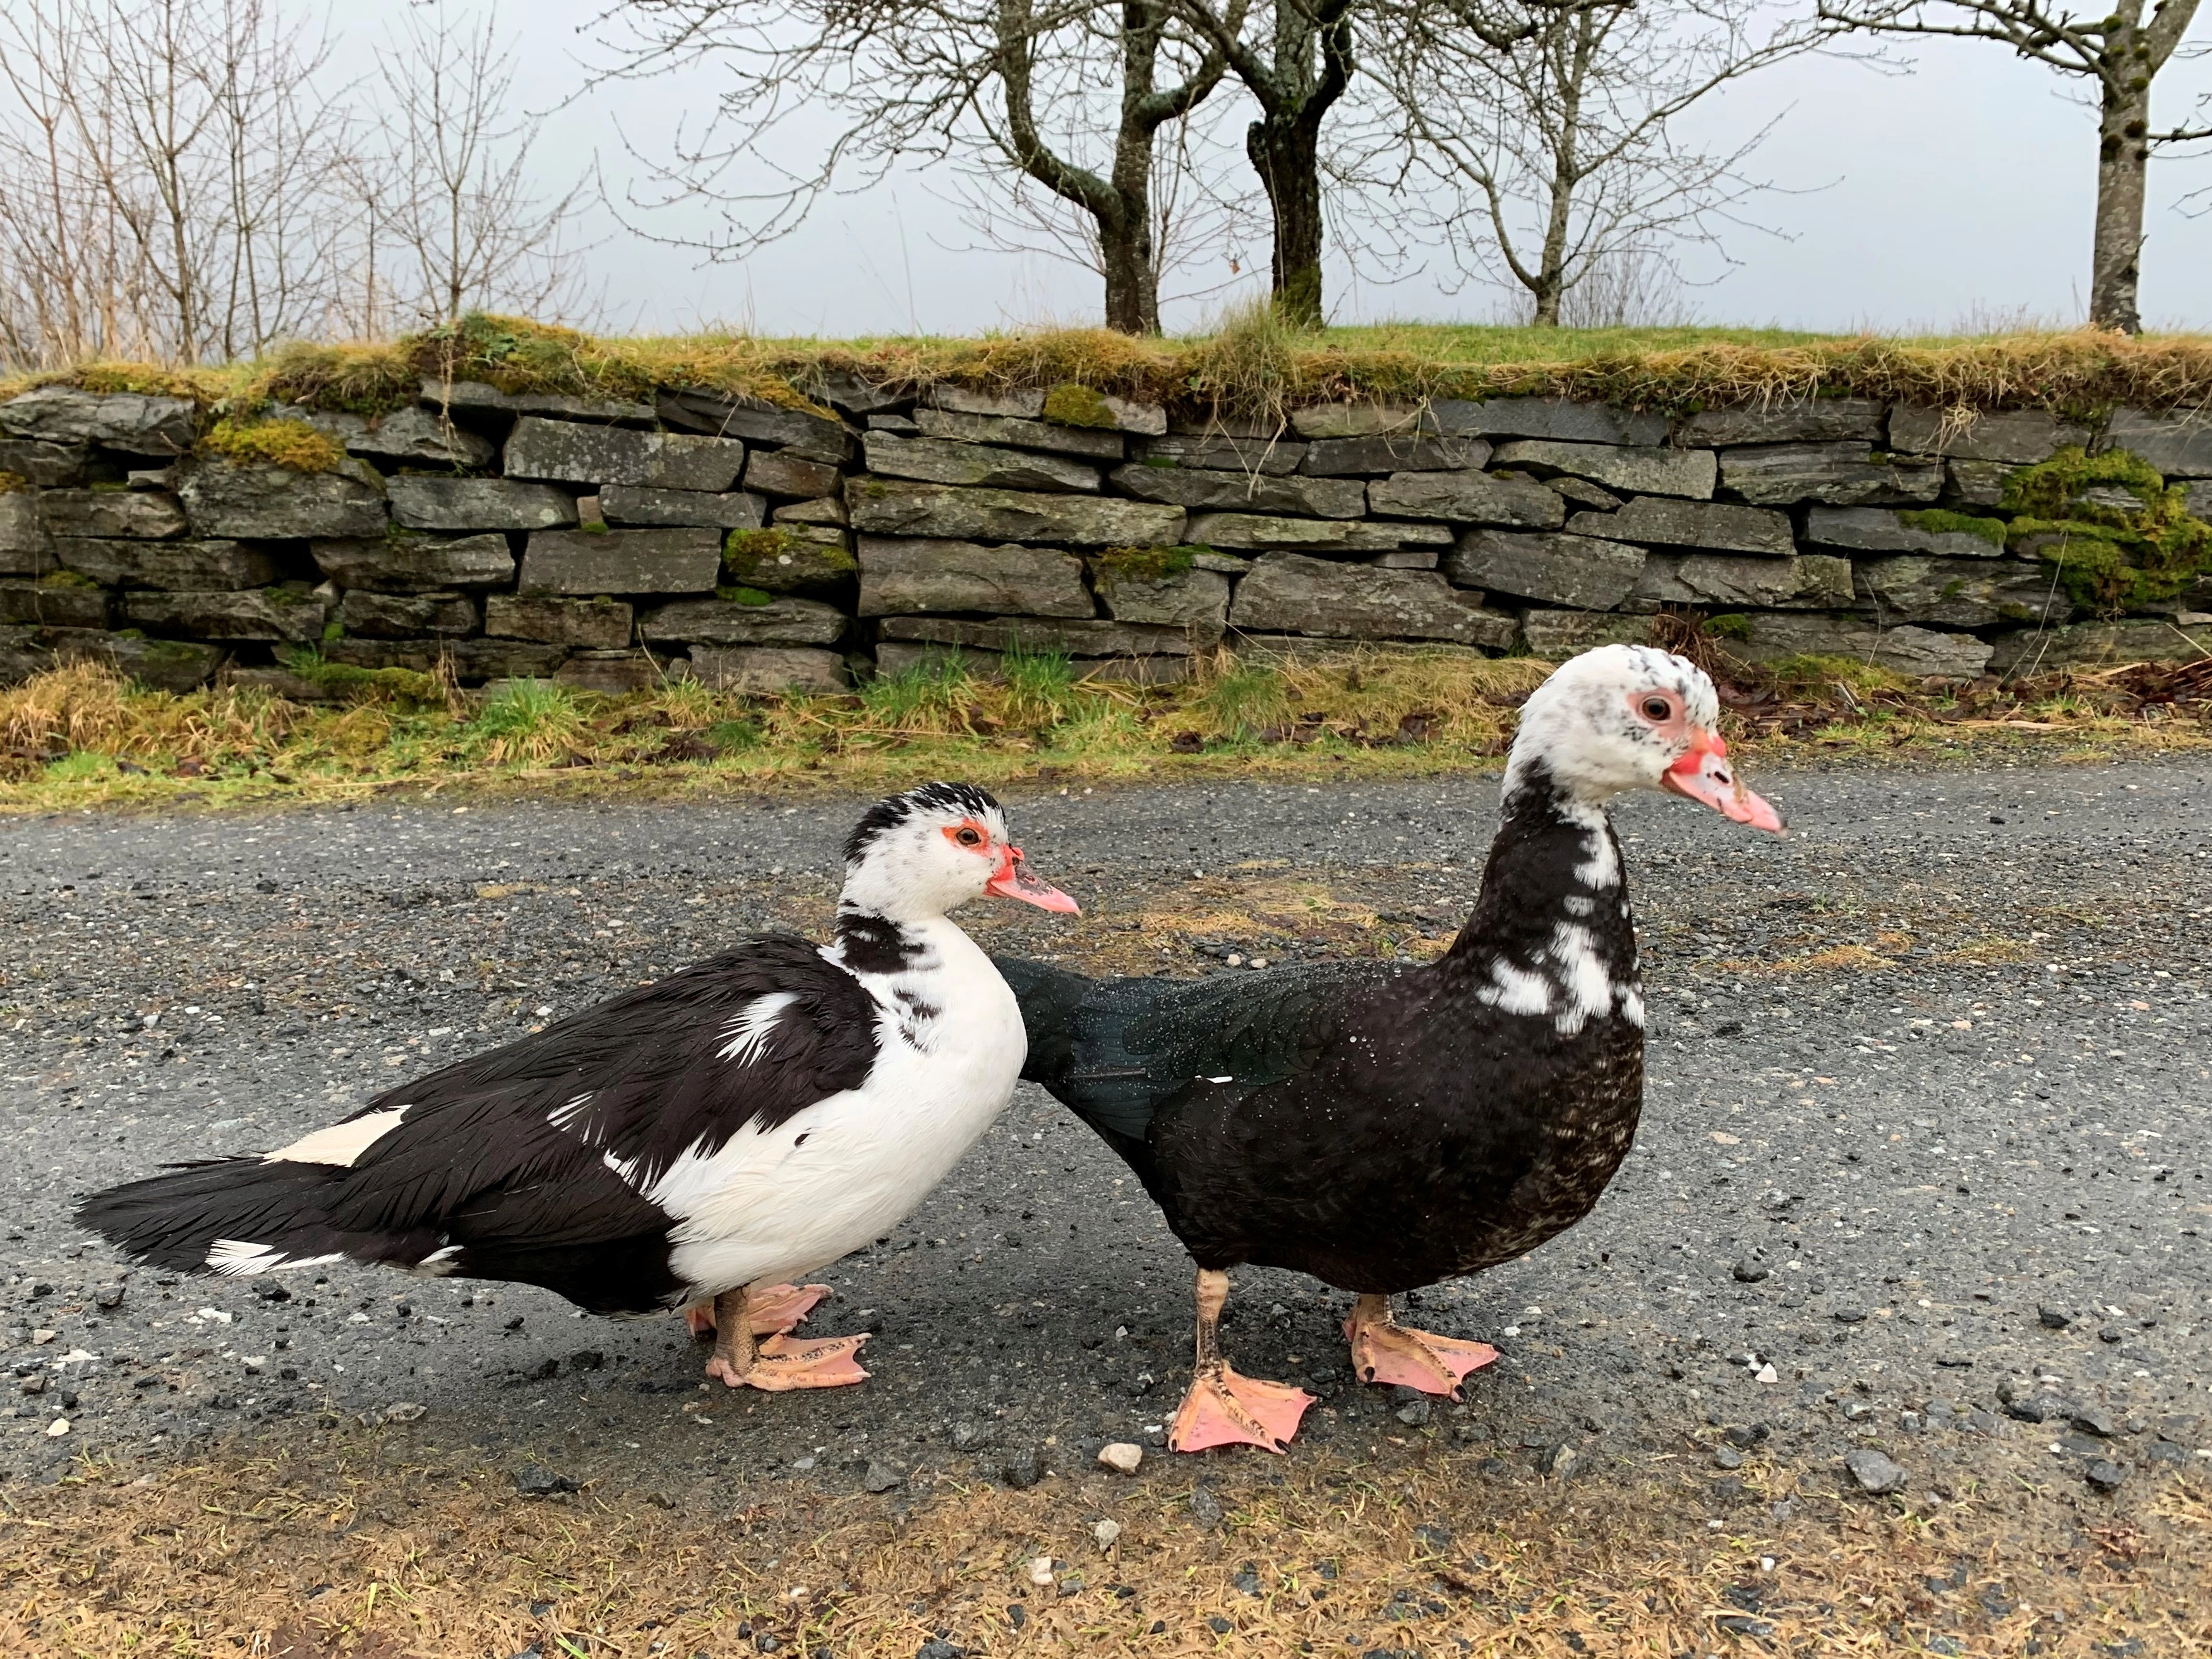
x,y
887,815
507,1155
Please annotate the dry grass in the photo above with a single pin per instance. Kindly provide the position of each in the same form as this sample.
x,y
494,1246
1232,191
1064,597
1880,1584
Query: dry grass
x,y
1252,367
78,736
371,1546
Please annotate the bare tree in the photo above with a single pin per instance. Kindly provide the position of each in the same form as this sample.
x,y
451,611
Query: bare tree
x,y
449,189
1020,83
1557,153
2118,55
160,177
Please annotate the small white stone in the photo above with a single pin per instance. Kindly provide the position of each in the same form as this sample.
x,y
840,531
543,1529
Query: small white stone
x,y
1768,1374
1121,1456
40,1338
57,1428
1041,1570
1108,1532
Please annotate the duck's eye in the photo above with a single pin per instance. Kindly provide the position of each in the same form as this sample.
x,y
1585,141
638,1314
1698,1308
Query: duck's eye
x,y
1657,708
968,835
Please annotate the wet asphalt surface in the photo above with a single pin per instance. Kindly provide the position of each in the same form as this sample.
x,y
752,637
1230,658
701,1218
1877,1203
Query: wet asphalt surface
x,y
1930,1084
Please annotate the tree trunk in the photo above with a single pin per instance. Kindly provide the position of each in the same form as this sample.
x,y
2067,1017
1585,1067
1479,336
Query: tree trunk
x,y
1285,153
1132,299
2123,151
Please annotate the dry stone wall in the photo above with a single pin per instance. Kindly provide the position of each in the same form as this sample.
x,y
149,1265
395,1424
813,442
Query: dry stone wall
x,y
606,544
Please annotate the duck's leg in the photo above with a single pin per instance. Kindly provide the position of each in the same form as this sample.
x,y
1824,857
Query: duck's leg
x,y
1224,1409
771,1308
778,1364
1383,1351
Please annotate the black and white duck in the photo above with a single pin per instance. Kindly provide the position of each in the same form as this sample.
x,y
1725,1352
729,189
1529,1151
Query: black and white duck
x,y
695,1141
1385,1126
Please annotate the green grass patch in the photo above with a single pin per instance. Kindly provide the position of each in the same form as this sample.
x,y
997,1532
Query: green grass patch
x,y
527,722
2112,558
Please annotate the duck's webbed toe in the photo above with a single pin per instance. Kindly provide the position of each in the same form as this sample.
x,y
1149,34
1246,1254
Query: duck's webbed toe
x,y
1385,1351
1225,1409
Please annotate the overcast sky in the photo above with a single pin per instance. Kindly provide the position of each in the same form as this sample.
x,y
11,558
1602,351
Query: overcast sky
x,y
1956,196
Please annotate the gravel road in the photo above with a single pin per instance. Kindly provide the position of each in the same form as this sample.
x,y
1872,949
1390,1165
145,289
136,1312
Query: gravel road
x,y
1930,1084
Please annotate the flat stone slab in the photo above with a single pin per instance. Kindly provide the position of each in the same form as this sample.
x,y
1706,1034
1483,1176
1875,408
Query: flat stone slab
x,y
182,566
1003,431
1292,593
569,452
406,615
1241,492
472,660
52,605
797,432
1885,530
1025,404
880,506
26,548
1963,593
910,576
1249,530
647,506
781,562
1577,572
726,622
598,623
2095,645
780,472
262,613
148,513
1918,651
480,504
932,460
2018,437
766,668
1071,404
44,465
481,397
2179,445
1721,526
621,561
1547,418
1806,581
1470,497
422,437
413,564
1410,452
128,421
1361,420
1555,636
1194,599
1833,474
1223,452
1073,637
275,503
1641,469
1797,421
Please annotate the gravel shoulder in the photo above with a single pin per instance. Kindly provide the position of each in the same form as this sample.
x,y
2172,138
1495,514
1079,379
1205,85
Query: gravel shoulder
x,y
1930,1089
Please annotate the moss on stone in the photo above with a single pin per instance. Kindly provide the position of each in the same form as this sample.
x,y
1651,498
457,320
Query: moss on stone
x,y
13,483
746,552
1941,521
407,684
293,445
2111,559
1732,626
744,596
1148,564
1071,404
66,578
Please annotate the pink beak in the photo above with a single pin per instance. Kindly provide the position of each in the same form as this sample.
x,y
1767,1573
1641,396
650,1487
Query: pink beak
x,y
1704,774
1012,880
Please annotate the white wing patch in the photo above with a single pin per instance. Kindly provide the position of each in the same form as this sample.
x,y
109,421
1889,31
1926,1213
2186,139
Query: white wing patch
x,y
240,1259
342,1144
564,1116
1515,990
751,1027
439,1261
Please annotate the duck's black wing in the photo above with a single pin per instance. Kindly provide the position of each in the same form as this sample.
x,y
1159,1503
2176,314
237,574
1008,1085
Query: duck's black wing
x,y
1120,1052
535,1161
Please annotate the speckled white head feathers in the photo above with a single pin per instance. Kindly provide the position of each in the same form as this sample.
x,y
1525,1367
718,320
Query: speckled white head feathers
x,y
1630,717
926,853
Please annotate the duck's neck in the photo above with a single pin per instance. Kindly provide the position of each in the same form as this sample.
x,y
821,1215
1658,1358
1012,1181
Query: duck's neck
x,y
1551,937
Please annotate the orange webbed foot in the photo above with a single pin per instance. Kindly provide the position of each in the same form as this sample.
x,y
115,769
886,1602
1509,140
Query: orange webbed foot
x,y
1224,1409
1386,1352
781,1365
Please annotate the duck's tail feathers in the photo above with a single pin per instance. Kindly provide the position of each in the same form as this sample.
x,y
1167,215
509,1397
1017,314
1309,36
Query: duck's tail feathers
x,y
242,1216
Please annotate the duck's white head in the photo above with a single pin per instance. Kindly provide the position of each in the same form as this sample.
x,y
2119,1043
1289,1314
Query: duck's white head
x,y
926,853
1631,717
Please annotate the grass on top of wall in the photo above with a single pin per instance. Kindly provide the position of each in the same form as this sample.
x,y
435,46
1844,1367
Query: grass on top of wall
x,y
79,736
1254,367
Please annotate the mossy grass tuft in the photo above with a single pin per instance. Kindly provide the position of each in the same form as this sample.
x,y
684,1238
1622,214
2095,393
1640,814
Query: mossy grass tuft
x,y
527,722
2112,557
286,443
1941,521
